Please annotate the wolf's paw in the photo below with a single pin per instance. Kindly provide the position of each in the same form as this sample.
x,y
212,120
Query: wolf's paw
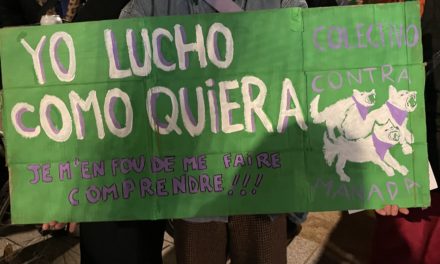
x,y
409,138
403,170
389,172
407,149
344,178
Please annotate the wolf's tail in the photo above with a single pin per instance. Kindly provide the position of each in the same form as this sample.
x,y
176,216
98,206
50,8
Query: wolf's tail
x,y
316,116
329,150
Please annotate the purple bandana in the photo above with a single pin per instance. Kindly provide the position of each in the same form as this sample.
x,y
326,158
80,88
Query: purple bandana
x,y
380,146
363,110
398,115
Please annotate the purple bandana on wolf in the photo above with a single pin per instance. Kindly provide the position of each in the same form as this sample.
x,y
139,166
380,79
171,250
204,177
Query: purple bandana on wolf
x,y
380,146
363,110
398,115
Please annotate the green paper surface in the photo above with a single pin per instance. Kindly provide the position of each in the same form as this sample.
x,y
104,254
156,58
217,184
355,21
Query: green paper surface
x,y
236,124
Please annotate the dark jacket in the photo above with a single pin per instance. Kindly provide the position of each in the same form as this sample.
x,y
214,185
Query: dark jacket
x,y
94,10
21,12
319,3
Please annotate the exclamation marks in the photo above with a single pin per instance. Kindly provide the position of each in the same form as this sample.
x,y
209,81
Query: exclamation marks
x,y
234,184
257,183
246,180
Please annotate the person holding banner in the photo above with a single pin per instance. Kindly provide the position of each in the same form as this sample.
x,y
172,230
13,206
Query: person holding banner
x,y
413,236
100,242
248,239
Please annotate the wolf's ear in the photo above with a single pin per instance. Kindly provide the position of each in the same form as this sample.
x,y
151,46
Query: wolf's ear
x,y
376,127
373,91
377,124
356,92
390,124
392,90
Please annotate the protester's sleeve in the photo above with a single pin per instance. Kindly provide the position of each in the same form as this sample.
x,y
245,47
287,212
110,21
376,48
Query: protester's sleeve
x,y
293,3
138,8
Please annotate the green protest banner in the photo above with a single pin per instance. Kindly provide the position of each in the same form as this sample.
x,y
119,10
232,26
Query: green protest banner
x,y
220,114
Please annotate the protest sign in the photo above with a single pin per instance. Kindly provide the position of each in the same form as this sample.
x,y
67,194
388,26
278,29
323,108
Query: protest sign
x,y
221,114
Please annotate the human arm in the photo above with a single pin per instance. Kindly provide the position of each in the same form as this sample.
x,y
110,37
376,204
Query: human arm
x,y
293,3
137,8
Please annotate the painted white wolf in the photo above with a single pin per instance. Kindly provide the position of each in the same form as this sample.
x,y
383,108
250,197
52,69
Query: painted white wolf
x,y
399,104
352,110
374,148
